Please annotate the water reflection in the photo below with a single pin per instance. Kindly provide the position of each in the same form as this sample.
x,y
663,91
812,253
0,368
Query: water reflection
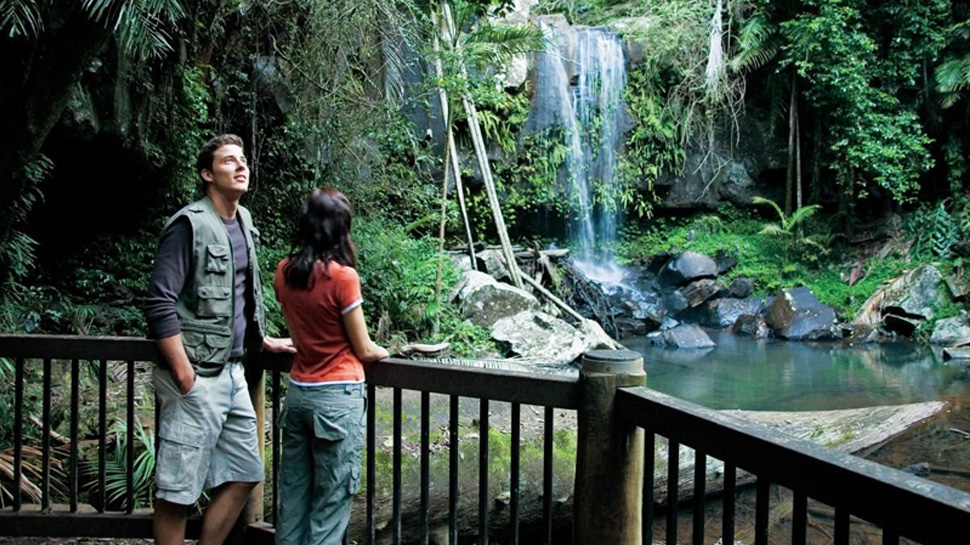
x,y
743,373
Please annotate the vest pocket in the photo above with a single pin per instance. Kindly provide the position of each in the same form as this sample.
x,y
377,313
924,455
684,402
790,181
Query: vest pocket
x,y
216,258
214,300
206,342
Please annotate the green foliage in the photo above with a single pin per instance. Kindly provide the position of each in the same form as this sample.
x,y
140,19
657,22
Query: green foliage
x,y
669,98
787,224
531,179
398,275
934,230
142,472
852,70
501,113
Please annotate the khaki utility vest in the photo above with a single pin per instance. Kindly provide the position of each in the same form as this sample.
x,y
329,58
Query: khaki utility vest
x,y
205,306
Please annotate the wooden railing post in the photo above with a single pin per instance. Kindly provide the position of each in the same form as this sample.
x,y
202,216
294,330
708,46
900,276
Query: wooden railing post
x,y
256,379
609,458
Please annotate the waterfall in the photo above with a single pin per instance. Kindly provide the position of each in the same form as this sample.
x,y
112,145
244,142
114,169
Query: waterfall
x,y
579,87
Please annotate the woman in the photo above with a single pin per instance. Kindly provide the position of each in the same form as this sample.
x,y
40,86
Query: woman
x,y
323,415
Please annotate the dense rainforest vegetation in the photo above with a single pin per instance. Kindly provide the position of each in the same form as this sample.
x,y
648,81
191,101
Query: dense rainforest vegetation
x,y
861,107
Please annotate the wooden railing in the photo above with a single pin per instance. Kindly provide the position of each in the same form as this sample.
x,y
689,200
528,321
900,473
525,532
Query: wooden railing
x,y
902,505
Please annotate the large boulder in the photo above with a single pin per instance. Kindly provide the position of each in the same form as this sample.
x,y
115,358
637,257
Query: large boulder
x,y
752,326
686,336
685,268
723,313
951,330
741,287
539,337
699,291
798,316
484,301
918,295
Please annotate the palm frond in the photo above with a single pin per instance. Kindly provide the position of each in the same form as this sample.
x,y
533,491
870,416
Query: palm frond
x,y
758,43
952,78
497,44
138,25
21,18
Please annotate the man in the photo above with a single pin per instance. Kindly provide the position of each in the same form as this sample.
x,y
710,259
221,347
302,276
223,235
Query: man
x,y
204,308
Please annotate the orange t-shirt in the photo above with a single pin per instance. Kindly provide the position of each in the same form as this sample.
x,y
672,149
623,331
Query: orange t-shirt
x,y
315,320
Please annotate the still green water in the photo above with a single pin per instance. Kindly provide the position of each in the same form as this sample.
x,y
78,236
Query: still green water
x,y
777,375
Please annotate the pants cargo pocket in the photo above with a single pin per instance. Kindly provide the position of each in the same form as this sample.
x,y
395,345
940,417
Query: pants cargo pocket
x,y
179,455
332,423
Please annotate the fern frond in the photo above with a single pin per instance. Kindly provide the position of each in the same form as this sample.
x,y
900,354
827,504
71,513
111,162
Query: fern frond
x,y
802,214
773,229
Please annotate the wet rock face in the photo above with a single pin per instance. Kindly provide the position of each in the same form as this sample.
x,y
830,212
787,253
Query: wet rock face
x,y
798,316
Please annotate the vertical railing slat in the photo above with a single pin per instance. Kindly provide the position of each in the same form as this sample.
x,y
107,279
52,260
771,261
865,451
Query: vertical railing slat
x,y
102,432
275,389
18,434
371,465
483,471
453,471
673,484
649,466
425,468
799,522
700,493
514,474
547,465
75,424
841,526
130,451
396,470
761,511
727,520
45,502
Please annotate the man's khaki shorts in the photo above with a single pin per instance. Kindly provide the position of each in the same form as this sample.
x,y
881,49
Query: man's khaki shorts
x,y
206,437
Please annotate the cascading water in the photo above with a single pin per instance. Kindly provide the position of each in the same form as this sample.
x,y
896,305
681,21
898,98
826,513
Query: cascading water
x,y
579,86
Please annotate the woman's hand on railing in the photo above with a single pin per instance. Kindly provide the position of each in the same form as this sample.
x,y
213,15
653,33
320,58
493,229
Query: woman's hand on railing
x,y
273,344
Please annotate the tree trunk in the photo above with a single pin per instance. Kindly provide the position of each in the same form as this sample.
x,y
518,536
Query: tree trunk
x,y
480,152
451,152
815,193
798,162
789,180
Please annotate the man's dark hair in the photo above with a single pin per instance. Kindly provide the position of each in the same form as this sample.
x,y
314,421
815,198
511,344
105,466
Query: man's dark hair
x,y
208,152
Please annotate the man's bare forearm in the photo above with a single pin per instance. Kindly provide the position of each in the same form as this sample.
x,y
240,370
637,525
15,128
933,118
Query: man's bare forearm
x,y
178,361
